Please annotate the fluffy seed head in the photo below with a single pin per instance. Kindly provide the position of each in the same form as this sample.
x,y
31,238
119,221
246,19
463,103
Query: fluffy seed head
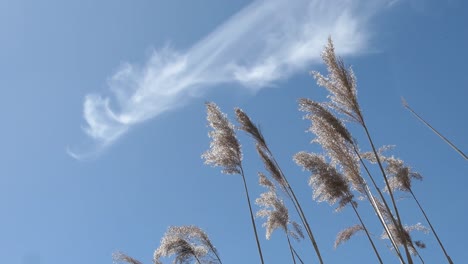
x,y
225,150
248,126
317,110
328,184
340,83
186,243
346,234
276,212
120,257
270,166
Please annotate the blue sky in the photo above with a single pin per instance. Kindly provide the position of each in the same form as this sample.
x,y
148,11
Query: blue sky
x,y
104,119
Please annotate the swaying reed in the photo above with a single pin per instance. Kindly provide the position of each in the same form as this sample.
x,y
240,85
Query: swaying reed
x,y
347,233
186,243
331,186
120,257
272,166
225,152
406,105
400,179
401,237
340,147
341,84
277,214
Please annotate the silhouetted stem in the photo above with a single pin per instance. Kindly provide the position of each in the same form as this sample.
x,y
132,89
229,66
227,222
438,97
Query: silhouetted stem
x,y
376,208
297,255
432,228
367,233
198,260
292,196
405,104
419,255
399,225
290,248
216,254
251,216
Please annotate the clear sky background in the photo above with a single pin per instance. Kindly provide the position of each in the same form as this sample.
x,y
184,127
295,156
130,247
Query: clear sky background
x,y
103,119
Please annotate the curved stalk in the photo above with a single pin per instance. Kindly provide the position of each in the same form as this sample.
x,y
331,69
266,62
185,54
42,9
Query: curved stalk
x,y
251,216
198,260
405,104
367,233
216,254
292,196
297,255
399,225
374,205
290,248
432,228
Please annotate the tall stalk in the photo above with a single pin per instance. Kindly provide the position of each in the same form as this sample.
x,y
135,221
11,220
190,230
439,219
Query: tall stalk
x,y
406,105
341,84
297,255
252,217
291,249
225,152
276,172
376,208
367,233
432,228
292,196
390,192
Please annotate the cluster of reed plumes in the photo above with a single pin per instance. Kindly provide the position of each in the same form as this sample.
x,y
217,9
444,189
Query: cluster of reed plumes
x,y
341,176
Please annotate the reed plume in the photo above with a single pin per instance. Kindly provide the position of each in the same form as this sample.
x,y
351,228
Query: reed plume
x,y
120,257
225,152
346,234
399,237
328,184
406,105
277,214
401,177
187,243
341,84
342,149
272,166
331,186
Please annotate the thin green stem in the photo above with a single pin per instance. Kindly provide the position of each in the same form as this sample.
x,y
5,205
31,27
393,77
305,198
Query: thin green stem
x,y
251,216
432,228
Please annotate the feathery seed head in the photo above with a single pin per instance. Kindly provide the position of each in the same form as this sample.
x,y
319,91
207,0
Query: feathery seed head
x,y
225,150
274,210
400,174
270,166
186,243
248,126
317,110
328,184
346,234
336,140
120,257
405,236
341,83
264,181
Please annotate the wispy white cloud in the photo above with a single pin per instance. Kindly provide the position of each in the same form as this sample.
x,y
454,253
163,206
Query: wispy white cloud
x,y
266,41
